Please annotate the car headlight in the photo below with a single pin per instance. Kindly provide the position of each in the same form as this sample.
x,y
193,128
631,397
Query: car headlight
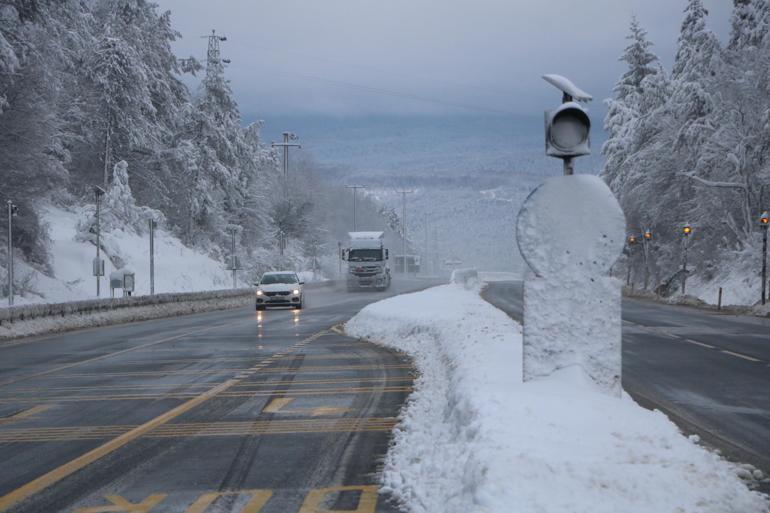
x,y
259,292
296,291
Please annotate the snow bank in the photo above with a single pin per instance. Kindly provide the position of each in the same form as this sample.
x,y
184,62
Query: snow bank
x,y
177,267
474,438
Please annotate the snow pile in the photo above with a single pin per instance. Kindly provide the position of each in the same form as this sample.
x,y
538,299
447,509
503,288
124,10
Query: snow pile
x,y
474,438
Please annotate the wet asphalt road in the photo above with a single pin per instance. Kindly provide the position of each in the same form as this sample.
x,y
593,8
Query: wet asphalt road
x,y
708,371
232,411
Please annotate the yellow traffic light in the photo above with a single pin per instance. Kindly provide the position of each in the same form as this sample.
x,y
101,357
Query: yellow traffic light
x,y
631,239
764,219
648,235
687,230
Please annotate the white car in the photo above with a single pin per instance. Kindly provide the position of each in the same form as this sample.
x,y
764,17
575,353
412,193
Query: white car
x,y
280,288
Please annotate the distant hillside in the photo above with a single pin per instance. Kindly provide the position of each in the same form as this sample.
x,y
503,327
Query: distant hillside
x,y
470,173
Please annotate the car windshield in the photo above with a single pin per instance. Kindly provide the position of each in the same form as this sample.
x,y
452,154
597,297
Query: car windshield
x,y
270,279
365,255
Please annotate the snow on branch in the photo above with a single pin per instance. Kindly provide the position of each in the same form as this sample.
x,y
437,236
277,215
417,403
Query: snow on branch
x,y
711,183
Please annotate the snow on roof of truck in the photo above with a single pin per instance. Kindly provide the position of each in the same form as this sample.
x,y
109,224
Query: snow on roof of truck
x,y
366,235
279,272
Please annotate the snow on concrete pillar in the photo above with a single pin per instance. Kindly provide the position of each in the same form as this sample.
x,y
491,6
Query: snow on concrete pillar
x,y
570,232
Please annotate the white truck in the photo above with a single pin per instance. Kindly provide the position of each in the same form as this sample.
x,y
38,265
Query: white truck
x,y
367,260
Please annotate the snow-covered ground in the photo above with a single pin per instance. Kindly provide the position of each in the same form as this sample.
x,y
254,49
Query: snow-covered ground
x,y
474,438
177,267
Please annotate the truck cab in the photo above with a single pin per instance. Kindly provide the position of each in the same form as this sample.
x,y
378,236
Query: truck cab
x,y
367,260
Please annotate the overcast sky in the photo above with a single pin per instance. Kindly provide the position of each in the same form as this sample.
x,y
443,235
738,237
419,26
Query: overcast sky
x,y
352,57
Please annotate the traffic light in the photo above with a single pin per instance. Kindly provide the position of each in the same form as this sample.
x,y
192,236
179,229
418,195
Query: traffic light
x,y
567,128
567,131
631,240
764,219
648,235
687,230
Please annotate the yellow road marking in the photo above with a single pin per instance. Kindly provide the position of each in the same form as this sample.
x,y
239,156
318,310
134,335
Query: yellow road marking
x,y
328,410
270,384
258,500
314,502
25,414
739,355
119,504
188,395
41,483
110,355
203,429
276,404
339,329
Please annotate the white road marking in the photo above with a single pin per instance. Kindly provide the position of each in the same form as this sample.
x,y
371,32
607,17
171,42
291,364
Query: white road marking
x,y
738,355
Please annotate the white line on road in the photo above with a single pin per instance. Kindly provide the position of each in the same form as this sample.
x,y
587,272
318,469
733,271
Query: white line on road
x,y
738,355
699,343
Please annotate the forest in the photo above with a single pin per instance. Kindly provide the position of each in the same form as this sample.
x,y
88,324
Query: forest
x,y
690,146
91,94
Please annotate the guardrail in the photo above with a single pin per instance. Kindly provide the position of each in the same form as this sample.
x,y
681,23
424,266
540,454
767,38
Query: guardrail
x,y
95,306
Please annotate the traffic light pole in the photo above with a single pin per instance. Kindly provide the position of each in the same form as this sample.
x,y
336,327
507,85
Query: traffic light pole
x,y
98,243
569,166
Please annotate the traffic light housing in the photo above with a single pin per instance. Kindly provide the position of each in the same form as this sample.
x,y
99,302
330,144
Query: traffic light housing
x,y
567,131
648,235
764,219
687,230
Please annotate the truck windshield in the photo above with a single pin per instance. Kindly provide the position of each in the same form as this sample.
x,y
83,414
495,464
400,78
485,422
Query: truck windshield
x,y
270,279
365,255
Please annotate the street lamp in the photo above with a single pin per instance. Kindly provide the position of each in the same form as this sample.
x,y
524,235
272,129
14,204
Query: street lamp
x,y
764,220
631,243
646,240
13,210
686,232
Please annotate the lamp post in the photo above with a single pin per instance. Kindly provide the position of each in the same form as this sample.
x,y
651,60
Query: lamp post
x,y
686,232
98,267
631,242
764,221
153,224
646,240
12,211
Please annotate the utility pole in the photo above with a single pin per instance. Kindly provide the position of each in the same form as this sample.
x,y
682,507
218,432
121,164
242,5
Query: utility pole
x,y
287,136
339,258
764,220
233,258
403,227
355,191
98,262
12,211
427,248
153,224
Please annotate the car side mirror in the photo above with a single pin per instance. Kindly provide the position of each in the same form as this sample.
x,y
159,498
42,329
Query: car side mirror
x,y
302,283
